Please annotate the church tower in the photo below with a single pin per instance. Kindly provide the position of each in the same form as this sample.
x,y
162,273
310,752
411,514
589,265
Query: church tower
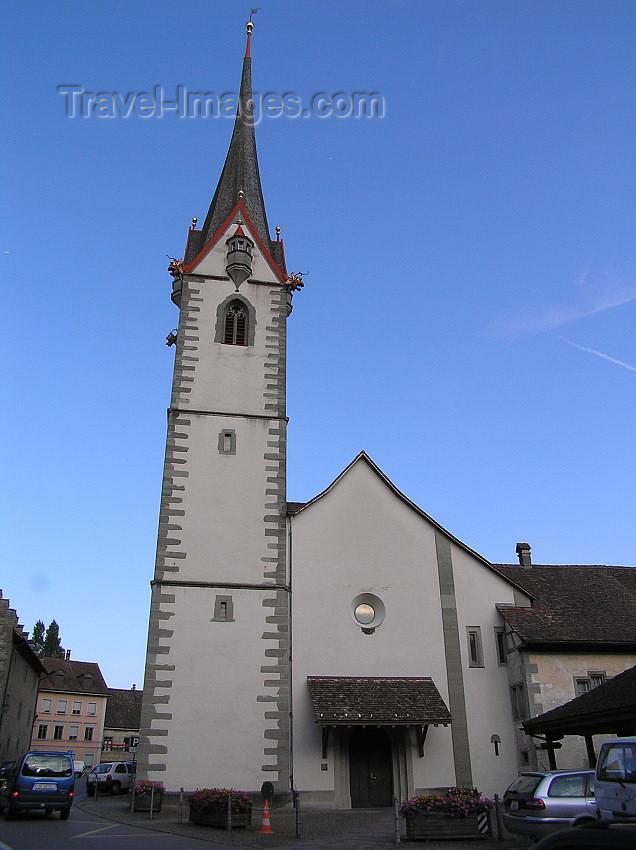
x,y
216,692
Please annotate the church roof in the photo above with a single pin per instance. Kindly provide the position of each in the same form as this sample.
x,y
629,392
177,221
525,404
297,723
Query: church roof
x,y
240,178
573,604
398,701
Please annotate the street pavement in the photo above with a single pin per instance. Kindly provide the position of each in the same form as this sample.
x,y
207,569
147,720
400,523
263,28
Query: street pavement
x,y
327,829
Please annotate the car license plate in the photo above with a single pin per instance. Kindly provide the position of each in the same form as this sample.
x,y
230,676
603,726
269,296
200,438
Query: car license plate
x,y
514,805
44,786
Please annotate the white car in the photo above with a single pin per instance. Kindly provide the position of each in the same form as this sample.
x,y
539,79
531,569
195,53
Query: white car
x,y
113,776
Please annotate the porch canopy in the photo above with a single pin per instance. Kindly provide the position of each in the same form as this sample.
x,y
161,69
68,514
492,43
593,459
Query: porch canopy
x,y
609,709
377,701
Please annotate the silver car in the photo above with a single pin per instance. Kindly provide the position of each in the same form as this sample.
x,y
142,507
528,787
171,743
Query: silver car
x,y
113,776
538,803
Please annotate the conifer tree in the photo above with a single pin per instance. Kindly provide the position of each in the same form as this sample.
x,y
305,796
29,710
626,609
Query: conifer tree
x,y
52,647
38,638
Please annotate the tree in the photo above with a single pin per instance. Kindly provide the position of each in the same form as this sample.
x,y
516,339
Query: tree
x,y
52,647
38,638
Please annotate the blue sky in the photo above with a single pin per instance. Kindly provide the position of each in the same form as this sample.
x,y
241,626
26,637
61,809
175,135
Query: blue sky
x,y
470,302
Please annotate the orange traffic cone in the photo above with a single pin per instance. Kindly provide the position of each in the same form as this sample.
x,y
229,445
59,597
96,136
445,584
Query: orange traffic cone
x,y
265,827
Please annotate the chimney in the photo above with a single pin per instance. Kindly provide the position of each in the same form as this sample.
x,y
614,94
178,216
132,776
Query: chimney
x,y
68,654
523,552
134,687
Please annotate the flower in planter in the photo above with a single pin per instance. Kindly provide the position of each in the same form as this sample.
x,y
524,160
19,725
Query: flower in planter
x,y
143,788
204,799
458,802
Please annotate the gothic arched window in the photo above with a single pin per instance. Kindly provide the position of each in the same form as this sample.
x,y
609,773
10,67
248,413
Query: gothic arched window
x,y
235,324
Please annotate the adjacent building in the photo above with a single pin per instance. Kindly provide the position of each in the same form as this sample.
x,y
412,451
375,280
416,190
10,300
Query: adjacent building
x,y
121,726
20,671
572,630
71,709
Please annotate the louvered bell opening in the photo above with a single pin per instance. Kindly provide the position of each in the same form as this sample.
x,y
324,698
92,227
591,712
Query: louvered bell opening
x,y
235,325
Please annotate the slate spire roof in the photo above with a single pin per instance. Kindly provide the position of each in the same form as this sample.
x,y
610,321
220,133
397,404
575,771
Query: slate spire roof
x,y
240,172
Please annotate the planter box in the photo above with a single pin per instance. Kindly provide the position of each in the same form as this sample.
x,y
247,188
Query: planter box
x,y
218,817
142,803
436,826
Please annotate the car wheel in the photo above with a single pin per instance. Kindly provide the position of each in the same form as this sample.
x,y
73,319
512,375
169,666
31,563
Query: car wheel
x,y
116,788
64,813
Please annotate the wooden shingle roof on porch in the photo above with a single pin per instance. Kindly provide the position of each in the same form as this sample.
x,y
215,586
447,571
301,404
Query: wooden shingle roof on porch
x,y
395,701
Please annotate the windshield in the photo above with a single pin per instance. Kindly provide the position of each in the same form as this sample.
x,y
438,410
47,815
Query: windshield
x,y
525,785
103,768
617,763
44,764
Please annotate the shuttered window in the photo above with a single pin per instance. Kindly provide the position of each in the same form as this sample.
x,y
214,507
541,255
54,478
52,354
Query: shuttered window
x,y
235,328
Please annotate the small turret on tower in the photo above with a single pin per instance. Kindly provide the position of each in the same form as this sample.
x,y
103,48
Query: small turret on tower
x,y
239,256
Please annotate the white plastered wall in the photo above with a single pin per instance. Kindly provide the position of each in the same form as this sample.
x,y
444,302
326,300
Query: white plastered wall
x,y
228,749
223,500
360,537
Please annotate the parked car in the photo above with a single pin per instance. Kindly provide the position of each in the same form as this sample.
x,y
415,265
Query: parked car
x,y
113,776
538,803
39,780
616,779
5,770
602,835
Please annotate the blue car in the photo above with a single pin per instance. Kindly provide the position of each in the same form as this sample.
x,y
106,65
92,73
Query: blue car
x,y
39,780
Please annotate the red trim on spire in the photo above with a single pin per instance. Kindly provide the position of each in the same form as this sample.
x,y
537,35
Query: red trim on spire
x,y
249,224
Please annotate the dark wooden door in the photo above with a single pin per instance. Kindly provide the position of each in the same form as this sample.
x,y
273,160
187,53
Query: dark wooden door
x,y
370,768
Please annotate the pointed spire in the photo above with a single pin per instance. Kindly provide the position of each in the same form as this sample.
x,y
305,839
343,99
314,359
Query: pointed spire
x,y
240,172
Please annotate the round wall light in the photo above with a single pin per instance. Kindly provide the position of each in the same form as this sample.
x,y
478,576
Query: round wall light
x,y
368,612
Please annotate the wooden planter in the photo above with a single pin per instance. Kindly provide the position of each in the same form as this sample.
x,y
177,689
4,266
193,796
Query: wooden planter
x,y
142,802
217,817
437,826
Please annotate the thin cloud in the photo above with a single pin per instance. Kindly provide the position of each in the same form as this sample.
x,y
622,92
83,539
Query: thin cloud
x,y
599,354
592,295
